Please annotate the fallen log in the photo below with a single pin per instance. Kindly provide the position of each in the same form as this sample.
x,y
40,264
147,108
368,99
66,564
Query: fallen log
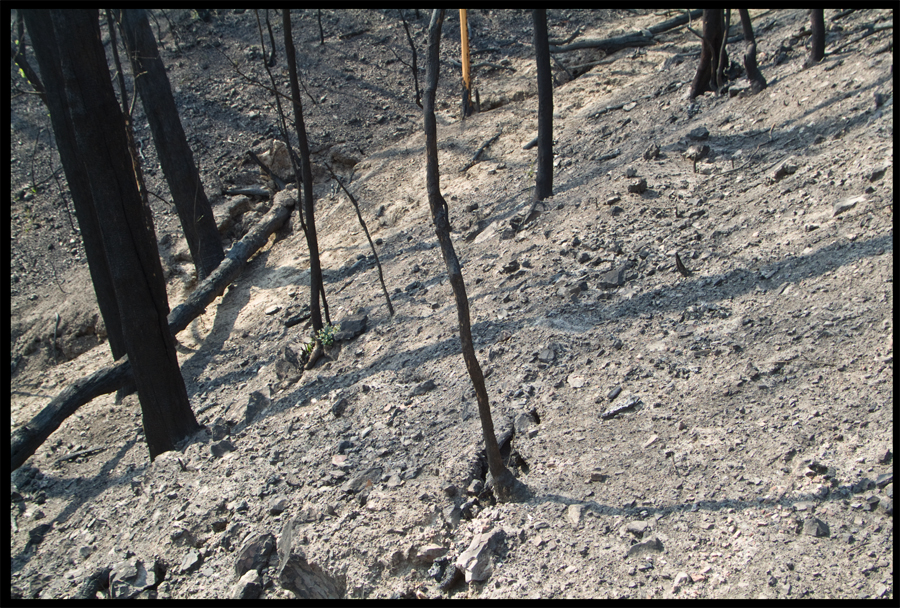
x,y
611,45
28,438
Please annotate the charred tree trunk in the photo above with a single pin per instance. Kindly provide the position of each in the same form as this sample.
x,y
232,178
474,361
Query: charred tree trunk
x,y
506,486
817,41
757,81
47,54
175,155
543,186
722,64
316,285
713,33
130,250
28,438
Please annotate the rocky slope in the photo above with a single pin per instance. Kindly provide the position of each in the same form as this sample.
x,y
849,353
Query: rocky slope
x,y
720,430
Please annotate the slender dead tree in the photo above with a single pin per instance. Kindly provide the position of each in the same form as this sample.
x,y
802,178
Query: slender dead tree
x,y
175,155
506,487
711,40
316,284
365,228
415,67
757,80
817,41
543,186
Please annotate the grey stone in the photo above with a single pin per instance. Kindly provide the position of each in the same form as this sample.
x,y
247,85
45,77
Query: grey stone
x,y
638,186
220,448
286,371
452,514
638,528
573,514
613,278
362,480
680,580
277,505
219,429
629,402
547,355
884,479
474,562
475,487
36,534
429,553
815,527
649,544
190,561
522,422
886,506
248,586
256,404
510,266
786,168
422,388
846,204
699,134
339,407
351,327
254,555
129,577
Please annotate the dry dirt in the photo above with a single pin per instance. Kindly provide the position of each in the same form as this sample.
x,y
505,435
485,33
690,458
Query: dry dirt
x,y
754,458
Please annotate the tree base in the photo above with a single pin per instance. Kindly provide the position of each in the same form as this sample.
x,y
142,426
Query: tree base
x,y
508,488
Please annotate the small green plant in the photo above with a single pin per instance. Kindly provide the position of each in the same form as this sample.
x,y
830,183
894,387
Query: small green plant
x,y
326,334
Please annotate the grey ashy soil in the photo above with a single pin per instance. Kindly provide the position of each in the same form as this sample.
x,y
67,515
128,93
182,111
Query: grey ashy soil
x,y
753,459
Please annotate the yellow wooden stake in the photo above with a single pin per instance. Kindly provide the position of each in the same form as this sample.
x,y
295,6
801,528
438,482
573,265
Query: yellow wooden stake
x,y
464,33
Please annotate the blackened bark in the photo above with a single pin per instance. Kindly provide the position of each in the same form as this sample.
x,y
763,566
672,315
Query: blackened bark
x,y
47,55
757,80
713,32
817,41
415,66
18,54
506,486
723,56
543,186
175,155
130,250
316,284
29,437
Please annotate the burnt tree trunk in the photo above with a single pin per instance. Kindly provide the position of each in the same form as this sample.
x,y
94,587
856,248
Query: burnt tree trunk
x,y
175,155
543,186
722,59
26,439
817,40
130,249
757,80
47,54
713,33
316,285
29,437
506,486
